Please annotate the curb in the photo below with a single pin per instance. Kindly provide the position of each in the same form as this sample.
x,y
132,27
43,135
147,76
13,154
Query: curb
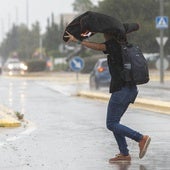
x,y
153,105
142,103
8,118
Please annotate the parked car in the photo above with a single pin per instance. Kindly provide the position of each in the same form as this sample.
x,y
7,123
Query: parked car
x,y
100,75
14,66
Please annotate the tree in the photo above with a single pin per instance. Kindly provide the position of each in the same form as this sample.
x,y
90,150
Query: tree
x,y
81,6
142,12
10,43
51,38
35,35
21,40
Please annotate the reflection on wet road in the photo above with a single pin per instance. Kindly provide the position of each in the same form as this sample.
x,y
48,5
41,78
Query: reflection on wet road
x,y
64,132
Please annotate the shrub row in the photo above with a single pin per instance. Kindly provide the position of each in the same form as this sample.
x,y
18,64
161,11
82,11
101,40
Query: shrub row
x,y
36,65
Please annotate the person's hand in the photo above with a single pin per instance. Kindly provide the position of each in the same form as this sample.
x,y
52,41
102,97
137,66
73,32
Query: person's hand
x,y
70,37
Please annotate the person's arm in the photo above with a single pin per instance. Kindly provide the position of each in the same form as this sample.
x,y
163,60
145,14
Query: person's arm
x,y
92,45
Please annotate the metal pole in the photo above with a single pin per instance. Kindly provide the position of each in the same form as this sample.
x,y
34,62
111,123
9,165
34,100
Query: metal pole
x,y
77,76
16,16
9,21
2,29
40,46
27,13
161,45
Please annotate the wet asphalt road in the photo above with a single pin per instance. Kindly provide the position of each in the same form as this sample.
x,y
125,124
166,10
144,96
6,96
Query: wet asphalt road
x,y
64,132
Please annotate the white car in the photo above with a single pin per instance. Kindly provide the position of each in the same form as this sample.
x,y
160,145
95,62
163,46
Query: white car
x,y
14,66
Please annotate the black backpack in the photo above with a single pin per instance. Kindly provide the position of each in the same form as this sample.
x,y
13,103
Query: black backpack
x,y
135,68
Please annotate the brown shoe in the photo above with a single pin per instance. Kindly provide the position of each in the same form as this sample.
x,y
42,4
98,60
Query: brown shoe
x,y
143,145
120,158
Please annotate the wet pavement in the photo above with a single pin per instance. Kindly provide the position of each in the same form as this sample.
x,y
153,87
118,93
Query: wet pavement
x,y
64,132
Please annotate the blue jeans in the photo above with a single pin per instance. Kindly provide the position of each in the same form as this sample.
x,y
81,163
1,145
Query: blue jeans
x,y
118,104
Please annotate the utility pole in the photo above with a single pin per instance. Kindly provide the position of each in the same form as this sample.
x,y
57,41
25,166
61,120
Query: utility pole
x,y
16,16
9,21
161,44
27,23
27,13
40,46
2,29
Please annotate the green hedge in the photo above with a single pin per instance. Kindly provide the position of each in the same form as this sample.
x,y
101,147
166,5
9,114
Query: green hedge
x,y
61,67
36,65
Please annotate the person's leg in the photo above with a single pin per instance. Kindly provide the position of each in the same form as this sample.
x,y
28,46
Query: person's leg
x,y
121,141
116,109
114,114
120,131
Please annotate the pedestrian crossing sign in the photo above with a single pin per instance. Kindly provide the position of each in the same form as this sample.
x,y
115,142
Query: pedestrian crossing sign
x,y
161,22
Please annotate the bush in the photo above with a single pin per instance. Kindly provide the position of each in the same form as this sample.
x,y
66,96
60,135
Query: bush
x,y
61,67
36,65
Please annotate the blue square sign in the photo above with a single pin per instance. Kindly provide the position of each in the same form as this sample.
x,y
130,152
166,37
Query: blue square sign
x,y
161,22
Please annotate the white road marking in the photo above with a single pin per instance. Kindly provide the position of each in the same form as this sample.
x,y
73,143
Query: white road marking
x,y
30,129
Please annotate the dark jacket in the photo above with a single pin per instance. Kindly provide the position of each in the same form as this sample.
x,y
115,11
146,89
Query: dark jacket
x,y
114,59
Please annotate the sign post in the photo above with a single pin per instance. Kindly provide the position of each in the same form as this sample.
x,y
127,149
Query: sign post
x,y
161,23
76,64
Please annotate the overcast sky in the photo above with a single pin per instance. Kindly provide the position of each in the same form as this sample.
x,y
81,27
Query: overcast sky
x,y
15,11
39,10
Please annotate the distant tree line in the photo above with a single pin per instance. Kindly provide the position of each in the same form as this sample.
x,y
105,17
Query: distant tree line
x,y
144,13
20,41
27,42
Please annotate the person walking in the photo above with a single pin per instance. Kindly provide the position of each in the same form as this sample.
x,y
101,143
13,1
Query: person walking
x,y
122,94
